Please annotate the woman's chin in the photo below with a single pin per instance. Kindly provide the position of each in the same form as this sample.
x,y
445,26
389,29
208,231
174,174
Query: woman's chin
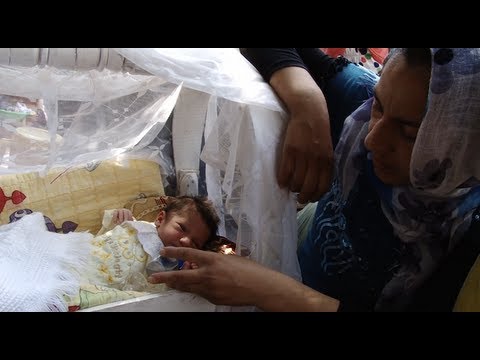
x,y
387,177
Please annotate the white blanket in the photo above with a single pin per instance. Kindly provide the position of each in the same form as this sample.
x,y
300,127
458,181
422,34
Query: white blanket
x,y
38,267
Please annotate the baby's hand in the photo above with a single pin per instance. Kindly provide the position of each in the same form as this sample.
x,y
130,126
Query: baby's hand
x,y
189,266
121,215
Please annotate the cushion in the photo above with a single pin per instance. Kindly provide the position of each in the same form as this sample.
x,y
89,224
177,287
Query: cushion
x,y
75,198
147,208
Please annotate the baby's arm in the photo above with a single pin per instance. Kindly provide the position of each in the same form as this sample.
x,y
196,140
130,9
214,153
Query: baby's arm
x,y
112,218
121,215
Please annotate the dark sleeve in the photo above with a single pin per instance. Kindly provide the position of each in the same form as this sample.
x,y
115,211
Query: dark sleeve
x,y
320,65
440,292
269,60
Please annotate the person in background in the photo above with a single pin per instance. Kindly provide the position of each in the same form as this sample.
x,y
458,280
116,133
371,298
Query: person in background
x,y
370,58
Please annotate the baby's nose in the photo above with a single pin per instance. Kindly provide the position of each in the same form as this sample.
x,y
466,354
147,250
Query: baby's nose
x,y
185,241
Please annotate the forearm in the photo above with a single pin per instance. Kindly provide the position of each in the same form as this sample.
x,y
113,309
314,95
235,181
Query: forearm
x,y
297,89
269,60
283,293
288,71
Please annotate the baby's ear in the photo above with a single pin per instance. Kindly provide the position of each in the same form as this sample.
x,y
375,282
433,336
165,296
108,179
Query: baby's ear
x,y
160,217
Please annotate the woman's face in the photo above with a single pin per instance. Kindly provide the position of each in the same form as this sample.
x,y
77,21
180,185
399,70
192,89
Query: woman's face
x,y
182,229
397,112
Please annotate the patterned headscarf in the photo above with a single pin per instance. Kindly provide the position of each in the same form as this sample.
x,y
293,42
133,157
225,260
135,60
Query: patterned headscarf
x,y
432,214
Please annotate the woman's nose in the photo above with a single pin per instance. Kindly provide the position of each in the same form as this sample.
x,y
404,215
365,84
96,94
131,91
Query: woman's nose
x,y
380,137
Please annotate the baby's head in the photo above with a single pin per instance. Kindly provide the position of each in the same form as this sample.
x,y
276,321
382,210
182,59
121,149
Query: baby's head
x,y
187,221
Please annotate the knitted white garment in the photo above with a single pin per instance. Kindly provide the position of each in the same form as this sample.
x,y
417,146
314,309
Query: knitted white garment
x,y
39,267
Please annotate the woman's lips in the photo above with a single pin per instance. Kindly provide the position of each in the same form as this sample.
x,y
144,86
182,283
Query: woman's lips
x,y
380,165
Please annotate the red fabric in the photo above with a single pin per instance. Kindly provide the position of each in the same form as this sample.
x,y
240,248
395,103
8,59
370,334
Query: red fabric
x,y
378,54
17,197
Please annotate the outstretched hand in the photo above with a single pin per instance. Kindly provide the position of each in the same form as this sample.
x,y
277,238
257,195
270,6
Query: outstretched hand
x,y
221,279
237,281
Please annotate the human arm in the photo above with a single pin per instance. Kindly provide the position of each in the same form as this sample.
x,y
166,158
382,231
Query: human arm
x,y
237,281
269,60
306,162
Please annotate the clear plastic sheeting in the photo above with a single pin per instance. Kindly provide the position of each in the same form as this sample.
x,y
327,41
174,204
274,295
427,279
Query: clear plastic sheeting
x,y
68,58
85,116
70,115
222,72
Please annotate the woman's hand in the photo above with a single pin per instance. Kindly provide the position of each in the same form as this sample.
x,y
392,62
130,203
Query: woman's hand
x,y
237,281
221,279
306,163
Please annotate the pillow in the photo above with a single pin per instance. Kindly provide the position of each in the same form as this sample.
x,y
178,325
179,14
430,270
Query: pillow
x,y
75,198
147,208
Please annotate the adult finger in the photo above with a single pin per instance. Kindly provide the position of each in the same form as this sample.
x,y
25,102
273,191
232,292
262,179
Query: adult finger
x,y
298,178
286,167
187,254
184,280
310,183
324,182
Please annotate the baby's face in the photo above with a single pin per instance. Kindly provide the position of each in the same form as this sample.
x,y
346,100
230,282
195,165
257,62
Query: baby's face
x,y
185,229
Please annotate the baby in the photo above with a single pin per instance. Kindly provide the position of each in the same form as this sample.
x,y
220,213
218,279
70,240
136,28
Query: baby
x,y
126,251
123,250
186,221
